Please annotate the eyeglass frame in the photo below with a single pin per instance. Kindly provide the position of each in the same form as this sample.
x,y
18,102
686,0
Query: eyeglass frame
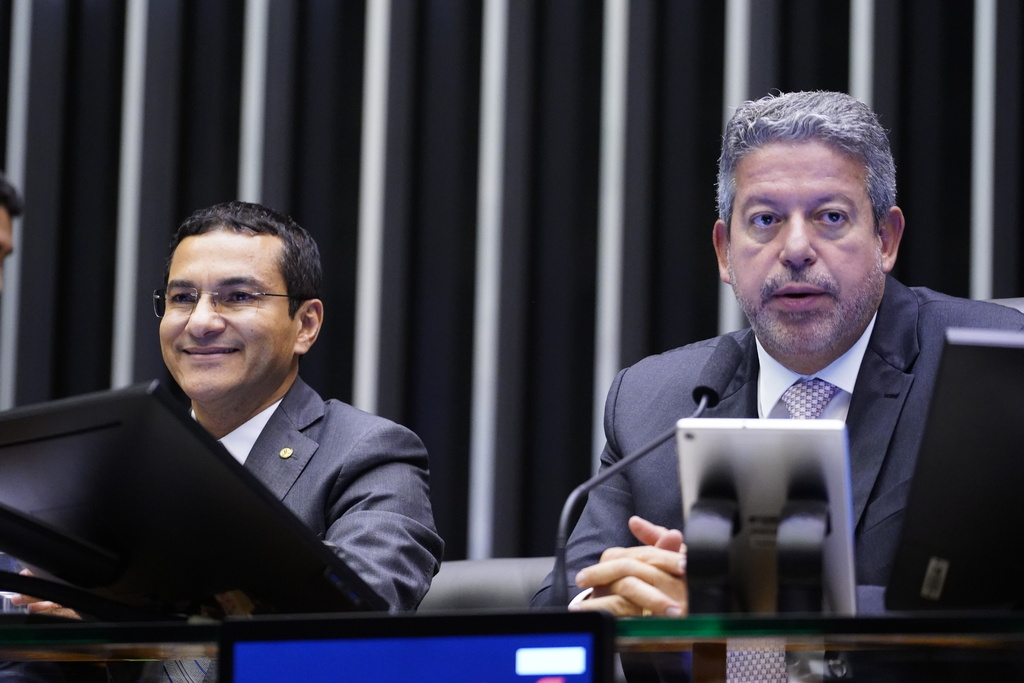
x,y
160,295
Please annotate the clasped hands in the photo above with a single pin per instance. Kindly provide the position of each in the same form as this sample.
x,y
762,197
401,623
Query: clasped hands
x,y
648,579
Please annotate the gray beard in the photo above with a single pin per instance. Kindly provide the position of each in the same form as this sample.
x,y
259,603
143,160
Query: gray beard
x,y
830,332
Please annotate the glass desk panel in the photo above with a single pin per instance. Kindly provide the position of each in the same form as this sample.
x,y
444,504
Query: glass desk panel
x,y
928,647
932,647
35,638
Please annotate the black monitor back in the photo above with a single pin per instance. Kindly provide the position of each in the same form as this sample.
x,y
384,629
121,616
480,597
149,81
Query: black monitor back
x,y
966,503
121,493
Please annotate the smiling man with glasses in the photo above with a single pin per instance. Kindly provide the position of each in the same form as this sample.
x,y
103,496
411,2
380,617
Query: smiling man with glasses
x,y
239,308
233,350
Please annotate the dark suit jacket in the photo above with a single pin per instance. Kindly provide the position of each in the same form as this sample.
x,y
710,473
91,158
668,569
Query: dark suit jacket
x,y
360,483
885,424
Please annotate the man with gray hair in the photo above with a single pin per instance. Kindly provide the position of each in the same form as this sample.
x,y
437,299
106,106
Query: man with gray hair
x,y
808,231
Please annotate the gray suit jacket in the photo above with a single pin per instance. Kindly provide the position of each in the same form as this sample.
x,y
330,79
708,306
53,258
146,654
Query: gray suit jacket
x,y
360,482
885,424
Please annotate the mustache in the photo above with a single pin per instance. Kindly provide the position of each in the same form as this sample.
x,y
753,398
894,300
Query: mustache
x,y
799,276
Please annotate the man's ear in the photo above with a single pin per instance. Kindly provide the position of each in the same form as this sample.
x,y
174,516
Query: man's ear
x,y
720,236
309,318
890,232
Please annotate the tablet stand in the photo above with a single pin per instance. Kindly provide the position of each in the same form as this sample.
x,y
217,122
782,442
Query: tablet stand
x,y
709,531
798,551
710,528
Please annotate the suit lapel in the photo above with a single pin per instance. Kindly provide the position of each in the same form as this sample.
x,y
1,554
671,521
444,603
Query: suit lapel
x,y
740,398
878,400
883,385
282,450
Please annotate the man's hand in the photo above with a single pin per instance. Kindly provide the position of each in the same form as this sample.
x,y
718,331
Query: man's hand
x,y
645,579
37,606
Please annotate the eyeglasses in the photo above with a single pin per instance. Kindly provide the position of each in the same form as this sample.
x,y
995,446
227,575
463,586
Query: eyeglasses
x,y
181,301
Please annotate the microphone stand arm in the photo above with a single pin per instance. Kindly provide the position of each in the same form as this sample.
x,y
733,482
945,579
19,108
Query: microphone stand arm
x,y
560,590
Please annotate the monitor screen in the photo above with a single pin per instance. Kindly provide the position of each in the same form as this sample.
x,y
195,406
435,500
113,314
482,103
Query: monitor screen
x,y
965,507
123,494
464,648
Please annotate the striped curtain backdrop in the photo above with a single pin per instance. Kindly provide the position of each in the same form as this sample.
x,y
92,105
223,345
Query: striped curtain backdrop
x,y
513,198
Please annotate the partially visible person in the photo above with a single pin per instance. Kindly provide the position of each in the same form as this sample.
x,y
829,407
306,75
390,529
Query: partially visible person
x,y
11,206
808,232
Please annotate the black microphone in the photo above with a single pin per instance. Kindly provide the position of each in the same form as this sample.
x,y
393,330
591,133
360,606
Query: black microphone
x,y
714,379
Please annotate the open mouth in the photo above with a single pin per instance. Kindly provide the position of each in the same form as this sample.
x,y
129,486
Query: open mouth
x,y
798,299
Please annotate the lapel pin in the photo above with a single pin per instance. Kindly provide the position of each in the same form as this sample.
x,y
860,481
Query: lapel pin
x,y
286,452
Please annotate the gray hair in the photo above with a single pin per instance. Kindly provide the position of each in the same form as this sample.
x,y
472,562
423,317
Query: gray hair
x,y
837,119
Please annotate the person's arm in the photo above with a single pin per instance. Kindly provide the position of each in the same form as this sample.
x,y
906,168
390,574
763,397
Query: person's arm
x,y
644,401
379,517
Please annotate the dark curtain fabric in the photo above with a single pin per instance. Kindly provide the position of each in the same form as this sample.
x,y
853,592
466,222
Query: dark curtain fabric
x,y
1009,153
922,74
317,171
931,124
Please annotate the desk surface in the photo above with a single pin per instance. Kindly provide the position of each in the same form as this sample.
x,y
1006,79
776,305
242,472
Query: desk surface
x,y
938,628
26,639
59,640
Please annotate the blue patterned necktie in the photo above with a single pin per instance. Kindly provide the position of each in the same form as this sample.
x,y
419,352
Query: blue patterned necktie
x,y
756,660
805,400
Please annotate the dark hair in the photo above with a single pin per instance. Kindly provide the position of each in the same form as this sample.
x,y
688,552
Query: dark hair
x,y
300,260
10,198
837,119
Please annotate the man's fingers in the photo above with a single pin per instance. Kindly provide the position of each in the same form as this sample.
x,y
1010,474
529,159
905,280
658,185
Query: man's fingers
x,y
665,560
621,575
640,580
42,606
666,597
37,606
631,596
613,604
670,540
22,600
649,533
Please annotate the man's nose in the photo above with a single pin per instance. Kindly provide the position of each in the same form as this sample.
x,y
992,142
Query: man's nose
x,y
206,315
797,246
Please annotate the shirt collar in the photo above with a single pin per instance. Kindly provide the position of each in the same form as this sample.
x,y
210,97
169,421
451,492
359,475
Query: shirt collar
x,y
240,440
774,378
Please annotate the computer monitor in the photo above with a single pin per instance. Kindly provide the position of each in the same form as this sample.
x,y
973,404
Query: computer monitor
x,y
966,501
122,494
513,647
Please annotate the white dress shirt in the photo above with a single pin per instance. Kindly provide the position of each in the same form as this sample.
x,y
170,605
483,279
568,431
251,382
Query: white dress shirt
x,y
774,378
240,440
